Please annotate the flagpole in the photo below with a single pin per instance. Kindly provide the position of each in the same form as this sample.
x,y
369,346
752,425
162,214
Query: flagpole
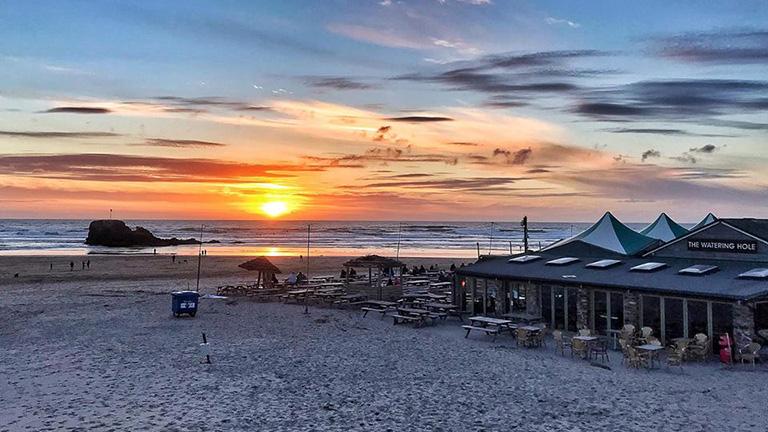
x,y
199,257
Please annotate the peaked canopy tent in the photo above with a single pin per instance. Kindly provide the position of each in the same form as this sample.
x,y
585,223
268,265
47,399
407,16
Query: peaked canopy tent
x,y
610,234
262,265
708,219
664,228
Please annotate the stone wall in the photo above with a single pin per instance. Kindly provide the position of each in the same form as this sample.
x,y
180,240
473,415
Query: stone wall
x,y
743,321
582,309
632,308
532,299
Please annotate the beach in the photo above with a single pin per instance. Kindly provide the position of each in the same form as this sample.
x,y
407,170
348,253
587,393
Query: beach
x,y
100,350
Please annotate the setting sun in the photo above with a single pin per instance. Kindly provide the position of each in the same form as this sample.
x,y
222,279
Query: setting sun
x,y
274,209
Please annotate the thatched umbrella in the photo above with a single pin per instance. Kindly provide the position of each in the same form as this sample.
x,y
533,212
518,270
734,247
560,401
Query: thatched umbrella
x,y
373,262
262,265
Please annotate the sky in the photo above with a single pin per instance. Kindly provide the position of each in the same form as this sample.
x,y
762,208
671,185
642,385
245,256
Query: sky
x,y
479,110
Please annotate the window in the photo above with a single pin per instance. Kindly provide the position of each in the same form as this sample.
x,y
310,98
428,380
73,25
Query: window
x,y
601,311
757,273
761,316
563,261
697,317
559,312
571,316
546,304
601,264
617,311
651,316
648,267
698,270
673,319
722,321
524,259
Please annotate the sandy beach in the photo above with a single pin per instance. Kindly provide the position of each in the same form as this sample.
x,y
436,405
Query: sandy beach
x,y
101,351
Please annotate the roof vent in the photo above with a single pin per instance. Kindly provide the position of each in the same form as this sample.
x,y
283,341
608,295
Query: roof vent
x,y
756,273
603,264
698,269
648,267
563,261
524,259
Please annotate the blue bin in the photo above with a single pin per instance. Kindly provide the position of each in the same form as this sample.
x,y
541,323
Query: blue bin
x,y
184,302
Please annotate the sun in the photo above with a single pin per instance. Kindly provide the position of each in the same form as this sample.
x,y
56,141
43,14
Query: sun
x,y
274,209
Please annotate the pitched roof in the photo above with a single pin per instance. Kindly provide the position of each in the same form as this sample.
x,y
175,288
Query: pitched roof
x,y
664,228
722,284
610,234
756,227
708,219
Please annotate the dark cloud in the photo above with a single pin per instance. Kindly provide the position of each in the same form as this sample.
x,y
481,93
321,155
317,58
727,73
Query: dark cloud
x,y
537,171
338,83
179,143
684,158
735,47
463,144
380,155
78,110
456,184
381,133
650,154
419,119
671,132
670,100
518,157
50,134
114,167
707,148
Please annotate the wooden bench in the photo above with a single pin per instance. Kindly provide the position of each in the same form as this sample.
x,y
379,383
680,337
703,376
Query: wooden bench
x,y
382,311
407,318
487,330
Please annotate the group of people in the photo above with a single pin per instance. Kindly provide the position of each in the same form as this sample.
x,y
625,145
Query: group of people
x,y
85,264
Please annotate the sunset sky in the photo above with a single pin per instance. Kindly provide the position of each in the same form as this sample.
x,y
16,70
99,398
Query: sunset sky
x,y
383,110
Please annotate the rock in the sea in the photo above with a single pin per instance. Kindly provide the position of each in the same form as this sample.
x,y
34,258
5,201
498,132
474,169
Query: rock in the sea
x,y
113,232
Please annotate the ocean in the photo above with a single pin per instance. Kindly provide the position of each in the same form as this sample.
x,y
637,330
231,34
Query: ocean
x,y
426,239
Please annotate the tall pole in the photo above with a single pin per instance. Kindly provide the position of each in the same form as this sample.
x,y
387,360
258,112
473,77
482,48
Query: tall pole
x,y
110,213
306,293
199,257
478,250
524,223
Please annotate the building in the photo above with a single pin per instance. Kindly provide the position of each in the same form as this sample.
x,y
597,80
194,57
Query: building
x,y
712,279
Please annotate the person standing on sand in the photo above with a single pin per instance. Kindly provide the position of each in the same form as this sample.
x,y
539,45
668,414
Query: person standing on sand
x,y
83,265
51,266
71,266
88,264
173,259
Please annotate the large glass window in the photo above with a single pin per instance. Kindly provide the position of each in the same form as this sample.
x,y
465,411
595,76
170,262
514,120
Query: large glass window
x,y
559,294
761,316
673,319
722,320
601,311
617,311
697,317
490,302
652,313
546,304
572,300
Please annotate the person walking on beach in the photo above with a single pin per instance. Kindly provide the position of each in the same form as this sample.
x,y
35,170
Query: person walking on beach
x,y
83,265
88,264
71,266
51,266
173,259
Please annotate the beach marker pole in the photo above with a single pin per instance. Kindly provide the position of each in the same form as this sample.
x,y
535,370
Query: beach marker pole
x,y
206,349
306,293
478,250
199,258
399,230
490,239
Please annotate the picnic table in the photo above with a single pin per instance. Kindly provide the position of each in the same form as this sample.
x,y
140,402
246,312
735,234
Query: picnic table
x,y
440,284
491,326
653,353
416,316
378,306
331,284
446,308
522,317
417,282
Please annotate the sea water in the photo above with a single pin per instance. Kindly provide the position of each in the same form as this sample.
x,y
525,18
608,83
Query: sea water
x,y
280,237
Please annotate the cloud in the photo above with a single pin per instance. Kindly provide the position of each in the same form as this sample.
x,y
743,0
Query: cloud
x,y
518,157
650,154
684,99
419,119
560,21
180,143
127,168
707,148
684,158
455,184
730,47
56,135
669,132
201,104
78,110
338,83
375,36
463,144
